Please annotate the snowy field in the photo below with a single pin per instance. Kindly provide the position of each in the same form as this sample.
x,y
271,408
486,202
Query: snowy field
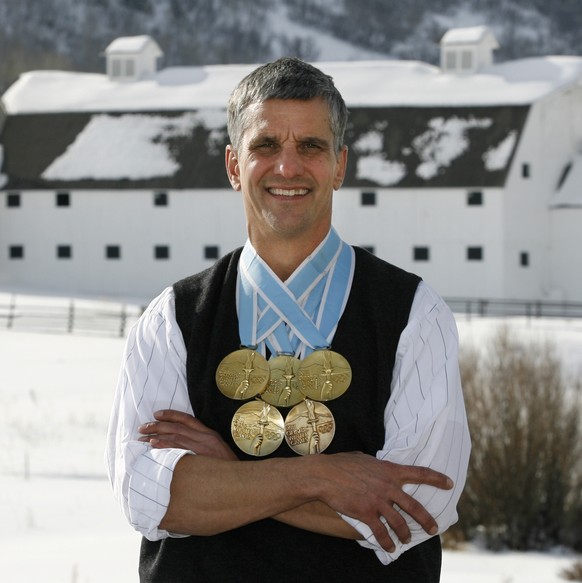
x,y
61,524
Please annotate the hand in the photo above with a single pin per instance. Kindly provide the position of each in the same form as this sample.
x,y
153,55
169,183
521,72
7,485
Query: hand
x,y
181,430
365,488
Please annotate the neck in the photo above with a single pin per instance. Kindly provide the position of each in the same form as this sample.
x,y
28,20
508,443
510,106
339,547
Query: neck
x,y
284,256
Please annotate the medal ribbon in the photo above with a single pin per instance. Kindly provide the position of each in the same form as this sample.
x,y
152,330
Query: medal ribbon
x,y
310,302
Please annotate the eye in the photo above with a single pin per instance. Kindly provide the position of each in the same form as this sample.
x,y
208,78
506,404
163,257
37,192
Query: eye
x,y
311,146
265,146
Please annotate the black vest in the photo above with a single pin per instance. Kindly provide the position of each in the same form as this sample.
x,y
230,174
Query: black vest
x,y
367,335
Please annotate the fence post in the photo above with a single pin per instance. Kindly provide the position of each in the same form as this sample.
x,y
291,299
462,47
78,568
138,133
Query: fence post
x,y
11,311
123,321
71,317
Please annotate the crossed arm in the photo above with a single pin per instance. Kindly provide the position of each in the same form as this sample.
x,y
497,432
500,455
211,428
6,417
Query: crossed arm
x,y
213,492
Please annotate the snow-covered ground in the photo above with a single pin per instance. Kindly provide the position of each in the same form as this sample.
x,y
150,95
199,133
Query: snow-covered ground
x,y
61,523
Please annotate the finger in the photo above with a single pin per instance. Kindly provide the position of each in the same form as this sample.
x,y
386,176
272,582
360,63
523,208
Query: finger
x,y
381,534
418,513
159,428
397,523
174,441
172,416
423,475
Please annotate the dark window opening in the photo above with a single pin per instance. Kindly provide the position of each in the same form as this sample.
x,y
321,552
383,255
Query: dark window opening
x,y
525,170
161,199
368,198
63,199
113,252
474,253
421,254
524,259
211,252
162,252
64,251
13,199
475,198
16,251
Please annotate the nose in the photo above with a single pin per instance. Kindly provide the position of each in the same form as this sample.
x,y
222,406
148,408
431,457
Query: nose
x,y
289,163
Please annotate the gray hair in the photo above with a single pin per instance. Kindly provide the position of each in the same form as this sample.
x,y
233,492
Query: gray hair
x,y
286,78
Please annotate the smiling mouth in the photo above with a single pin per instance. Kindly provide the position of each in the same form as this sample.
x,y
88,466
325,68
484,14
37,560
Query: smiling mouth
x,y
288,191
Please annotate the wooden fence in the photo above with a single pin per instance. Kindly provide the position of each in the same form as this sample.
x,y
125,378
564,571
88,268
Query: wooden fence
x,y
68,316
58,315
508,308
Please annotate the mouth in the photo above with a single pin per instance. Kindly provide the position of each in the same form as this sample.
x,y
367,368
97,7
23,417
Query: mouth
x,y
290,192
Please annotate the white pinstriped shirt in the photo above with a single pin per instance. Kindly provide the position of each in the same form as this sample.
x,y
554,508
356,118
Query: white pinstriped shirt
x,y
424,418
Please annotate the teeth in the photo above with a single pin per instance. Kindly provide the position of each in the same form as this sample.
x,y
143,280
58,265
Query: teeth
x,y
288,192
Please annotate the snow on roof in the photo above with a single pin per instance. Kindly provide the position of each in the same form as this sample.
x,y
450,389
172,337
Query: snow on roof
x,y
130,44
362,83
467,35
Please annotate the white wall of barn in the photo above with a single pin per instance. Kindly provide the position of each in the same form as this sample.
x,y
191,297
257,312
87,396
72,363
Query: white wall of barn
x,y
439,219
565,261
547,144
128,219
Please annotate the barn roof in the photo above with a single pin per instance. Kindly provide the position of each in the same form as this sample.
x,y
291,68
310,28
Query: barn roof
x,y
368,83
389,147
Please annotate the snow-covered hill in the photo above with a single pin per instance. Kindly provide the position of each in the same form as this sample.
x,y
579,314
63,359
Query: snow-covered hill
x,y
72,35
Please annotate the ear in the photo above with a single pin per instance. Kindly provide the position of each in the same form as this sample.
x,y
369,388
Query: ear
x,y
341,165
232,167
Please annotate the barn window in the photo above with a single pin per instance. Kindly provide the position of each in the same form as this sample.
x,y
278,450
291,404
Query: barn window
x,y
13,199
211,252
63,199
475,198
475,253
368,198
161,199
64,252
162,252
16,251
112,252
421,254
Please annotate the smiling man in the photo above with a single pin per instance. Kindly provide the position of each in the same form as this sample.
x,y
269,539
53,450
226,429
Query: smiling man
x,y
294,411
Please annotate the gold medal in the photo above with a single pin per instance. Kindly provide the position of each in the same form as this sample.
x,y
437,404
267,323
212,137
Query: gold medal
x,y
242,374
324,375
257,428
309,427
282,389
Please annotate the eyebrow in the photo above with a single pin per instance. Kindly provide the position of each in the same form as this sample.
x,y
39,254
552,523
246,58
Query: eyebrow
x,y
322,142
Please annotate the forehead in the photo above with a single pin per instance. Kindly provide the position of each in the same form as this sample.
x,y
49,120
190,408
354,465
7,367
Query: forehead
x,y
281,116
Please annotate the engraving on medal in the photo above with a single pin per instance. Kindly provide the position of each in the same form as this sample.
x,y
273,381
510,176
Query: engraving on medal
x,y
324,375
242,374
309,428
257,428
282,389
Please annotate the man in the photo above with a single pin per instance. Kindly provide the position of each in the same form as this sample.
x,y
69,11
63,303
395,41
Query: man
x,y
296,344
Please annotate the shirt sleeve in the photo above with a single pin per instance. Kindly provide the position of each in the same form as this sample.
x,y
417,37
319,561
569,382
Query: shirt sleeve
x,y
425,419
152,377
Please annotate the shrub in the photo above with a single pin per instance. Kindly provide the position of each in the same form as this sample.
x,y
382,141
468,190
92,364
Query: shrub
x,y
524,488
573,573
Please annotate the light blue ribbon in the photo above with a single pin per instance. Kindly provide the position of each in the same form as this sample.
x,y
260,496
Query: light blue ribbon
x,y
310,302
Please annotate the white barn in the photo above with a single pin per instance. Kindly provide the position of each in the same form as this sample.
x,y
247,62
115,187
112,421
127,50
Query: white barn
x,y
470,176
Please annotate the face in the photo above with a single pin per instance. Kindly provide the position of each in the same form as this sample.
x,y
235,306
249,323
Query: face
x,y
287,169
